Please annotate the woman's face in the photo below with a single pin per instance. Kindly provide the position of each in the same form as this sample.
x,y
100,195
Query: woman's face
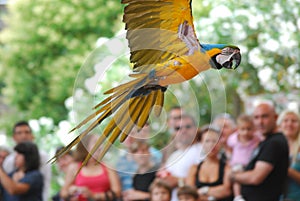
x,y
290,125
210,142
160,194
19,161
64,161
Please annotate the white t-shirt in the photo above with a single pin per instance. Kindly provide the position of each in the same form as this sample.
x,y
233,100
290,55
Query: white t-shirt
x,y
180,162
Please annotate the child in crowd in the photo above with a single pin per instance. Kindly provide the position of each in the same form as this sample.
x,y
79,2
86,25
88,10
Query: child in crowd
x,y
187,193
242,144
160,191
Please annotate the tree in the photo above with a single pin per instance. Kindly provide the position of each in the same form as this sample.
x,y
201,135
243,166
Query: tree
x,y
44,46
248,25
51,46
266,32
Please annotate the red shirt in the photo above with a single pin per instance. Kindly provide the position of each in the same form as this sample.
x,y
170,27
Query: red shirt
x,y
96,184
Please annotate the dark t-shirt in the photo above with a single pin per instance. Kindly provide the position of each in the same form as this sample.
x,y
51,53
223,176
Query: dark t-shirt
x,y
219,181
142,182
274,150
35,180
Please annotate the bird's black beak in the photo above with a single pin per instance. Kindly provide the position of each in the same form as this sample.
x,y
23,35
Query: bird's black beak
x,y
230,58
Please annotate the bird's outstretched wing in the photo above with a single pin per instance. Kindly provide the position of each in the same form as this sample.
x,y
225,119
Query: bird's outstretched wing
x,y
164,50
156,31
162,37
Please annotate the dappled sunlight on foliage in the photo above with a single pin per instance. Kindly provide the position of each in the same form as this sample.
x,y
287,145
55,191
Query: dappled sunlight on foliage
x,y
43,47
269,40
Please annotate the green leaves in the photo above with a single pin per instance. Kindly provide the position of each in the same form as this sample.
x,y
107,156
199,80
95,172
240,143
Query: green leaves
x,y
266,33
43,47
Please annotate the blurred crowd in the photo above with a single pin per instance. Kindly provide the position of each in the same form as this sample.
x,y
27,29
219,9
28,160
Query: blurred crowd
x,y
255,157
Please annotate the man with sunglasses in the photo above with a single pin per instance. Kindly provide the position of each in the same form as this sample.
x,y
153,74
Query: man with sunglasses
x,y
186,155
174,117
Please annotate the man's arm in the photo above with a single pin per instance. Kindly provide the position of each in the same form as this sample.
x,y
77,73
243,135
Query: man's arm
x,y
253,177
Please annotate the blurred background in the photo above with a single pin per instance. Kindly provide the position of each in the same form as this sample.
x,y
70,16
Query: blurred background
x,y
53,54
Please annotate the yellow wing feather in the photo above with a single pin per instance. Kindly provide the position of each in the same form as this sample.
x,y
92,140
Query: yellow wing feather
x,y
153,30
158,103
146,109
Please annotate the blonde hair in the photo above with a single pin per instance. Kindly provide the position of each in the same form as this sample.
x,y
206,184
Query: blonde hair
x,y
295,149
286,112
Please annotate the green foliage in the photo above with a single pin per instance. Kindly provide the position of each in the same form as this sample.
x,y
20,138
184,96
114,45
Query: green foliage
x,y
46,43
267,33
43,47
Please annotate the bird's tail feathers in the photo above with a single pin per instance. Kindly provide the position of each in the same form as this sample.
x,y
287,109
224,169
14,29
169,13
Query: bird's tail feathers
x,y
130,108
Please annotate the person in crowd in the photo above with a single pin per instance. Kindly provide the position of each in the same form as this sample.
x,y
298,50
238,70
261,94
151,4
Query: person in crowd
x,y
226,123
187,193
63,163
65,160
265,174
145,134
176,168
25,182
94,181
127,166
242,143
21,133
289,124
173,121
174,117
160,191
4,152
145,174
211,176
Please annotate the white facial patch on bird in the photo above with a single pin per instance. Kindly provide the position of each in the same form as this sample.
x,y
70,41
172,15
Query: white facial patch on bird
x,y
229,58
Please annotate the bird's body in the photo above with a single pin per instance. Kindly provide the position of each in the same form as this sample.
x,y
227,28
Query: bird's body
x,y
164,50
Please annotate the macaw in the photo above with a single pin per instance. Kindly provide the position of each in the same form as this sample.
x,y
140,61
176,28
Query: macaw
x,y
164,50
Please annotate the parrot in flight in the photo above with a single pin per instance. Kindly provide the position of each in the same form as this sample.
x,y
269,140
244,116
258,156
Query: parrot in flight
x,y
164,50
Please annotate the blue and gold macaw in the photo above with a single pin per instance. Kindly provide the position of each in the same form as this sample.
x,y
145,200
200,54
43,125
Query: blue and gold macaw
x,y
164,50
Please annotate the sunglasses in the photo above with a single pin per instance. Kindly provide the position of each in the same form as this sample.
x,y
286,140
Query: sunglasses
x,y
175,117
181,127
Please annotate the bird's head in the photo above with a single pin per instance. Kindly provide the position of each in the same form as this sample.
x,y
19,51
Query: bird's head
x,y
223,56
